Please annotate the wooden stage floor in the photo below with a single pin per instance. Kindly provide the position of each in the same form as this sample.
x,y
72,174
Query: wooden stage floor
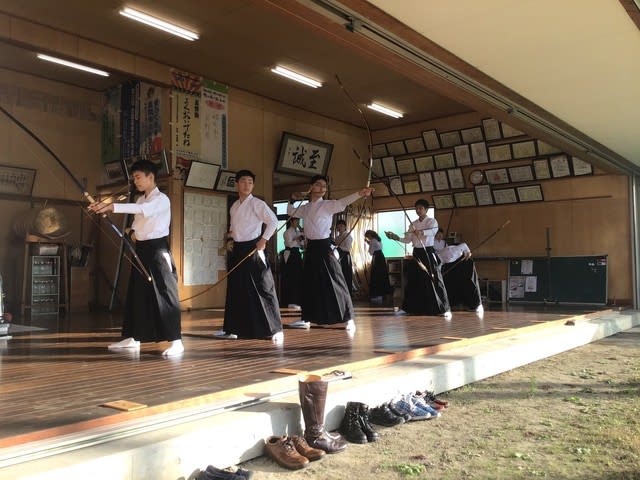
x,y
55,373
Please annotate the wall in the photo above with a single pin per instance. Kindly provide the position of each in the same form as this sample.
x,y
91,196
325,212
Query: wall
x,y
67,119
584,215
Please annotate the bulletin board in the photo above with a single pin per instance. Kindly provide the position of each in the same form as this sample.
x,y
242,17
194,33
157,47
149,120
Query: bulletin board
x,y
204,227
562,280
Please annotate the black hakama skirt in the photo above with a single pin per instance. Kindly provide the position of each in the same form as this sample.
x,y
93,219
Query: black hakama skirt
x,y
425,292
379,285
325,297
346,265
152,310
291,278
251,309
461,281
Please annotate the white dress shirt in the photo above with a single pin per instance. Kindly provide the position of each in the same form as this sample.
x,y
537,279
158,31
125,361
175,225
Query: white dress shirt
x,y
374,246
451,253
247,217
422,233
152,215
344,241
292,238
318,215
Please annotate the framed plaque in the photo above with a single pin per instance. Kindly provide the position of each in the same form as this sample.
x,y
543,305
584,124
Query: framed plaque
x,y
379,151
389,166
456,180
440,180
500,153
405,165
303,156
541,169
443,201
426,182
491,129
414,145
479,153
530,193
444,160
483,195
524,149
465,199
472,135
424,164
396,148
463,155
580,167
506,195
523,173
559,166
431,140
497,176
450,139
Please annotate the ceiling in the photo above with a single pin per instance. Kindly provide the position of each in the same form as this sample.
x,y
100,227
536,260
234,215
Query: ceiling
x,y
240,40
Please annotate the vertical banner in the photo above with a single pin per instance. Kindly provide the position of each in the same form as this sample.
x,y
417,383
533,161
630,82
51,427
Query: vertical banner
x,y
214,123
111,126
185,108
150,119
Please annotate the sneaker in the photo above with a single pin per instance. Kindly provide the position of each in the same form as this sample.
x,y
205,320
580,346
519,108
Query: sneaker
x,y
278,338
405,406
223,334
294,306
405,416
431,397
300,324
422,403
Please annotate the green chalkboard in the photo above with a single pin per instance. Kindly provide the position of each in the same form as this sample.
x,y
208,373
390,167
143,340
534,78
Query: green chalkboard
x,y
569,280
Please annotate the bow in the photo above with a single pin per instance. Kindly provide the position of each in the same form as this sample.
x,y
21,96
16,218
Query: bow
x,y
86,194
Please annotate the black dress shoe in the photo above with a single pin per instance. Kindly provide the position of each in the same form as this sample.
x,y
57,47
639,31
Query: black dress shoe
x,y
382,415
213,473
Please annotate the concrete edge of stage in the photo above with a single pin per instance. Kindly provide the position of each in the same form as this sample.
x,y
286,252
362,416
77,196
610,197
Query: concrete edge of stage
x,y
174,447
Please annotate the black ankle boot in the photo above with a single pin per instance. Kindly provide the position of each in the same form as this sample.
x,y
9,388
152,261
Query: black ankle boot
x,y
368,430
351,427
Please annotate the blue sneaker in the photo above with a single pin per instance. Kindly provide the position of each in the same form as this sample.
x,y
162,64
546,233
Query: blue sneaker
x,y
404,406
422,403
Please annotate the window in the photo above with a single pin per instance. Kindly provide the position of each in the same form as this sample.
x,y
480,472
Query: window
x,y
396,221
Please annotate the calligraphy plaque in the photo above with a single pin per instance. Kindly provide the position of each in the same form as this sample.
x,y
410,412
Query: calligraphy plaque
x,y
17,180
303,156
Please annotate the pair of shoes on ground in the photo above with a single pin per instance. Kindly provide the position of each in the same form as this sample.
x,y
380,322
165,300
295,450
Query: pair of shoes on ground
x,y
277,338
350,325
131,343
431,397
213,473
384,416
415,407
355,426
292,452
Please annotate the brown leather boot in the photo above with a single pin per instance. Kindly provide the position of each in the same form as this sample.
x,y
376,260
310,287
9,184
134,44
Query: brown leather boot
x,y
305,450
313,396
282,451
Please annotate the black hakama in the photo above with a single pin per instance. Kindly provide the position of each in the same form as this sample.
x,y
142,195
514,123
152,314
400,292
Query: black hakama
x,y
425,292
152,311
291,278
325,298
461,281
346,265
251,309
379,285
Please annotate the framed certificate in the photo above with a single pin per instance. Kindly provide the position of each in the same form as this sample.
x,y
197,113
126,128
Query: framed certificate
x,y
202,175
500,153
406,165
431,140
450,139
303,156
503,196
376,167
463,155
483,195
396,148
444,160
465,199
508,131
410,184
524,149
380,189
414,145
226,181
580,167
546,149
541,169
559,166
379,151
523,173
426,182
389,165
491,129
456,180
472,135
530,193
443,201
497,176
424,164
441,180
479,153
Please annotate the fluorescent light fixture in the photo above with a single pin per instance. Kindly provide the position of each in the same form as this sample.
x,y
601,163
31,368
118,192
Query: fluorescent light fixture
x,y
160,24
310,82
385,110
72,65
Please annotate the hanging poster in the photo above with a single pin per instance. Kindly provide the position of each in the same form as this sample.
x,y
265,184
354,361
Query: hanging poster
x,y
213,123
150,118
